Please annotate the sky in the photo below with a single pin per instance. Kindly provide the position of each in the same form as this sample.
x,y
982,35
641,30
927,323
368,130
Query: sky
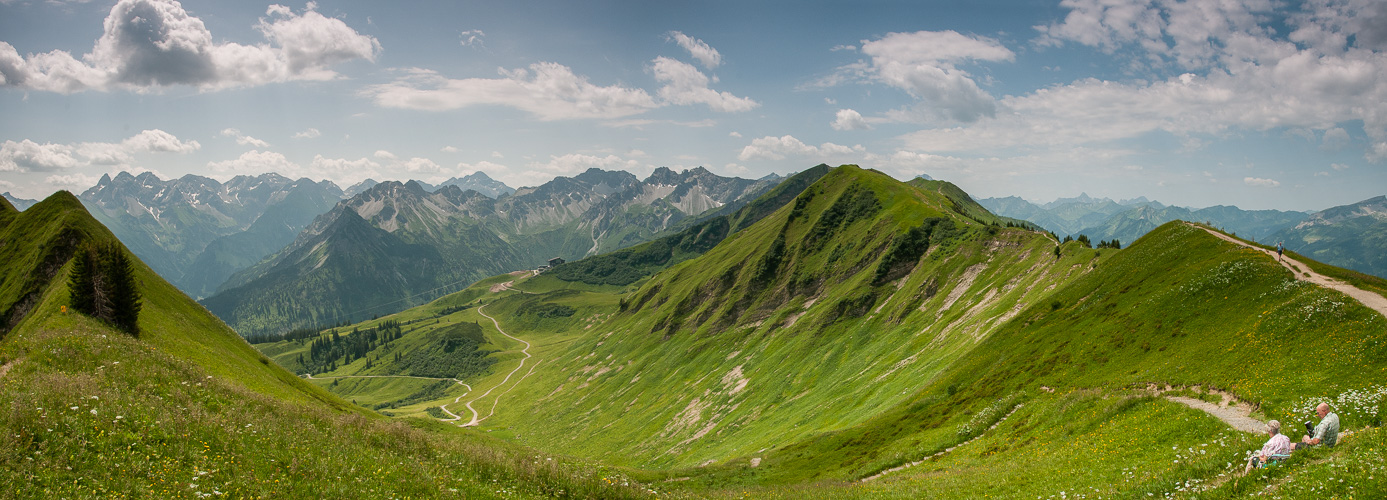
x,y
1262,104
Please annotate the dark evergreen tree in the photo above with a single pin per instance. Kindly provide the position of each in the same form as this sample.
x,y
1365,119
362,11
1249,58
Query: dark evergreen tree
x,y
102,285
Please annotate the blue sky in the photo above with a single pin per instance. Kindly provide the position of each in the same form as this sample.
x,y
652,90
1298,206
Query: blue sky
x,y
1254,103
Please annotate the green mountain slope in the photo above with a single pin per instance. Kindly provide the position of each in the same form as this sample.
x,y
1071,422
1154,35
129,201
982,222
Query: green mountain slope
x,y
871,325
190,410
876,283
456,237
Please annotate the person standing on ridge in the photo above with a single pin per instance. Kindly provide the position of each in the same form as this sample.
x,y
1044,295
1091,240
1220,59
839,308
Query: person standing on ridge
x,y
1279,250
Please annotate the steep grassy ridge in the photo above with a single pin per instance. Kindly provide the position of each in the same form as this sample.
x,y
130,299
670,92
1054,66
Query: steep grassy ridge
x,y
190,410
789,328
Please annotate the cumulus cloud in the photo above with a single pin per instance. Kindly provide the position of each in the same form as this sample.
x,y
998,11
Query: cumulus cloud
x,y
311,133
244,139
29,156
1260,182
255,162
1241,70
549,91
149,44
1335,139
778,148
73,181
686,85
699,50
1338,166
925,64
449,149
849,119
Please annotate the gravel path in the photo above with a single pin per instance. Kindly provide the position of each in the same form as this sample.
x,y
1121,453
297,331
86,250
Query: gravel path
x,y
1303,272
1237,415
526,351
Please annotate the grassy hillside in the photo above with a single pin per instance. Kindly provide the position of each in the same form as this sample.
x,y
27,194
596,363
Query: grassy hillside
x,y
706,361
190,410
871,326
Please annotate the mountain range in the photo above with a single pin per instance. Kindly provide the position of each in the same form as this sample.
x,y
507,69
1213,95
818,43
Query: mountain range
x,y
196,231
396,244
869,327
853,337
1351,236
18,203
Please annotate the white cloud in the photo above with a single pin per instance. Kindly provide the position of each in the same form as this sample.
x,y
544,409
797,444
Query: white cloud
x,y
1335,139
343,170
837,48
549,91
1260,182
417,165
1243,73
148,44
735,133
244,139
311,133
699,50
471,38
384,155
686,85
849,119
778,148
449,149
255,162
29,156
734,169
924,64
1338,166
73,181
497,154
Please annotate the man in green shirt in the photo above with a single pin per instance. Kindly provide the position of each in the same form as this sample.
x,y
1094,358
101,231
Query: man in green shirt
x,y
1327,433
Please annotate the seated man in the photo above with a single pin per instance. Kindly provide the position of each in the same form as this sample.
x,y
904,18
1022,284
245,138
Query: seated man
x,y
1278,447
1327,433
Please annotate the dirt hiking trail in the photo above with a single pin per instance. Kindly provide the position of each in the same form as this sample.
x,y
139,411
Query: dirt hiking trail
x,y
1303,272
476,418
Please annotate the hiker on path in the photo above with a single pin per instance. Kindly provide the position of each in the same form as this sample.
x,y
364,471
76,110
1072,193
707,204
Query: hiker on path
x,y
1277,447
1280,248
1327,433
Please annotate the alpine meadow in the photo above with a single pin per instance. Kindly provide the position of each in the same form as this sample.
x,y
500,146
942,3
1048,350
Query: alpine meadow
x,y
1127,249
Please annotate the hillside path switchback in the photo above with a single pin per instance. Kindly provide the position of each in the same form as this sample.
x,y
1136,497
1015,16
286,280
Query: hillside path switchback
x,y
1303,272
455,416
476,418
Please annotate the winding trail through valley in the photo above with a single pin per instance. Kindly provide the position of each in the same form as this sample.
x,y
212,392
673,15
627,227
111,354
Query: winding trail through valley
x,y
1303,272
310,376
476,418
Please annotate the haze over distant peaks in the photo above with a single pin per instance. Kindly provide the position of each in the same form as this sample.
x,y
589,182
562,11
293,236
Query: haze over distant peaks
x,y
19,203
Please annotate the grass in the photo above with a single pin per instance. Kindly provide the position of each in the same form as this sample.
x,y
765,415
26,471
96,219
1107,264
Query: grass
x,y
189,409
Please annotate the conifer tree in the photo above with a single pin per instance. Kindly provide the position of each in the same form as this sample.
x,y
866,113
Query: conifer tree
x,y
102,285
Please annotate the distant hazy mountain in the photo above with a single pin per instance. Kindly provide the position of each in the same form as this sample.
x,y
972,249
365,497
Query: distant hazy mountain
x,y
1253,224
359,188
479,182
1127,220
397,245
1352,236
19,203
1065,215
195,231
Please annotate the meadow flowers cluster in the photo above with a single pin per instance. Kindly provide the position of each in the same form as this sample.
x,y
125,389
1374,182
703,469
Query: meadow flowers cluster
x,y
987,416
1220,278
1355,405
1322,304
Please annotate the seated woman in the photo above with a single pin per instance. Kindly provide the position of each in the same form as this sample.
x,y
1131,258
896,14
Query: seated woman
x,y
1278,447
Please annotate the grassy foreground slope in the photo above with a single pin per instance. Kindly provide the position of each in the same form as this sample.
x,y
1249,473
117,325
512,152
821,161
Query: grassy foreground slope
x,y
189,409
